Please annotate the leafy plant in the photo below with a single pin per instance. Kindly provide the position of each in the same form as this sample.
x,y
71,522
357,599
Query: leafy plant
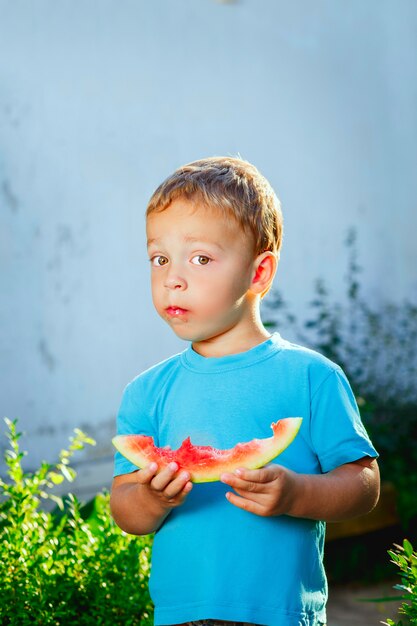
x,y
73,565
405,558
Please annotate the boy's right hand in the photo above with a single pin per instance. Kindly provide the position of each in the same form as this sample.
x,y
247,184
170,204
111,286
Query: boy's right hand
x,y
141,500
167,487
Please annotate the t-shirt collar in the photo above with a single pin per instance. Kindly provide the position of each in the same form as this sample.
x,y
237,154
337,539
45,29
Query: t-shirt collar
x,y
195,361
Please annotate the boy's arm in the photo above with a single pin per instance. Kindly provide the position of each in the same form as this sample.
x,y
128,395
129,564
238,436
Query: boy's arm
x,y
347,491
140,501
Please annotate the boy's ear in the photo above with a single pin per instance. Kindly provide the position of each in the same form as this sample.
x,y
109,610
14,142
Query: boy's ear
x,y
264,269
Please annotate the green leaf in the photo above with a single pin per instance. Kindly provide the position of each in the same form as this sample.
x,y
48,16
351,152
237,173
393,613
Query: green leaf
x,y
408,548
56,478
57,500
68,472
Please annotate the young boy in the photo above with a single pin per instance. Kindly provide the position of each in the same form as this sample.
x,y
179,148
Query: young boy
x,y
247,549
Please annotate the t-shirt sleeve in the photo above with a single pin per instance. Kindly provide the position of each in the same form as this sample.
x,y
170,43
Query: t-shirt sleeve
x,y
337,432
132,419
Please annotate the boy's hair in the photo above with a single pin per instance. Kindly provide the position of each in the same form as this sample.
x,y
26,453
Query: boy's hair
x,y
233,186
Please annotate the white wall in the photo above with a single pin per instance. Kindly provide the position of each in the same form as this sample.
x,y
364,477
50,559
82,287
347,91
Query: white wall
x,y
100,101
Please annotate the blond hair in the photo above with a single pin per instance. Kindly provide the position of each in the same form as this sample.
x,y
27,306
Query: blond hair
x,y
233,186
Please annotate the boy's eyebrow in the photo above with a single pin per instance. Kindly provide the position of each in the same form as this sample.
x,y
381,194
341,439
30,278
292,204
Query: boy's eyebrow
x,y
189,239
202,239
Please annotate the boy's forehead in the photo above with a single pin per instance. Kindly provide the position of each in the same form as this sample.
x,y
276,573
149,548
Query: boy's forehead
x,y
190,209
194,221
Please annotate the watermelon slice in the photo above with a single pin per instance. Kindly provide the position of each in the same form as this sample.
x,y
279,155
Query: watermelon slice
x,y
204,463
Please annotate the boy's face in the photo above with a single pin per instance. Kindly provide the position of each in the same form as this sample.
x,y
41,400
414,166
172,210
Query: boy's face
x,y
202,267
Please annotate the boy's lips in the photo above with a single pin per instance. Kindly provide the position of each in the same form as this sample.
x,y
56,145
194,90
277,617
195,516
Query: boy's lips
x,y
175,311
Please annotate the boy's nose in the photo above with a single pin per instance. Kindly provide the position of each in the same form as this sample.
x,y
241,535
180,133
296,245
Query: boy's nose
x,y
173,281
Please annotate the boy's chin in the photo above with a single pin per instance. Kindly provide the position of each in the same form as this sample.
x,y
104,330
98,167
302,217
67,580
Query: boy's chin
x,y
189,334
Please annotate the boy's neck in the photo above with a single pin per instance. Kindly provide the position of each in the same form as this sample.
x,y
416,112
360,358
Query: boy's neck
x,y
232,343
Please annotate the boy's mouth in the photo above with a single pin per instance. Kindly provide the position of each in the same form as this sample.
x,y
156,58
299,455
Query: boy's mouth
x,y
175,311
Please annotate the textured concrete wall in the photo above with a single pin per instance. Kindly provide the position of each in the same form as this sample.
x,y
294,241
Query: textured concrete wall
x,y
100,101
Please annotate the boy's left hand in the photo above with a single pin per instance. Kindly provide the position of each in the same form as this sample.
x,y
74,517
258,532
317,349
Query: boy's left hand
x,y
268,491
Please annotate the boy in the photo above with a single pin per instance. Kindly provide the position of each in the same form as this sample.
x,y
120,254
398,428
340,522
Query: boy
x,y
247,549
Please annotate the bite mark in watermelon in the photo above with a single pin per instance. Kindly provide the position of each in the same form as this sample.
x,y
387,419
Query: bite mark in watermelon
x,y
205,463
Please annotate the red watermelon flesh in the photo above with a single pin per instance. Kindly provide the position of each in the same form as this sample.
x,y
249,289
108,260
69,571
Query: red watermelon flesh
x,y
204,463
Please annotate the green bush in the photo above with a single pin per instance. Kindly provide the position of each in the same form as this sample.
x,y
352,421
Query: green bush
x,y
405,558
69,566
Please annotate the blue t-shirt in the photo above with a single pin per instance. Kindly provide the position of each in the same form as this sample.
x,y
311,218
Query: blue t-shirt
x,y
212,560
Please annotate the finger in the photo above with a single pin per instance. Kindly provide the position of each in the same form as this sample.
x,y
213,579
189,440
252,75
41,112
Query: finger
x,y
241,484
145,475
245,504
179,498
176,486
164,477
263,475
251,480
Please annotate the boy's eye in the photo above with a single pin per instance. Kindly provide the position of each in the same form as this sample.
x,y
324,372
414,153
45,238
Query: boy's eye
x,y
159,260
200,260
